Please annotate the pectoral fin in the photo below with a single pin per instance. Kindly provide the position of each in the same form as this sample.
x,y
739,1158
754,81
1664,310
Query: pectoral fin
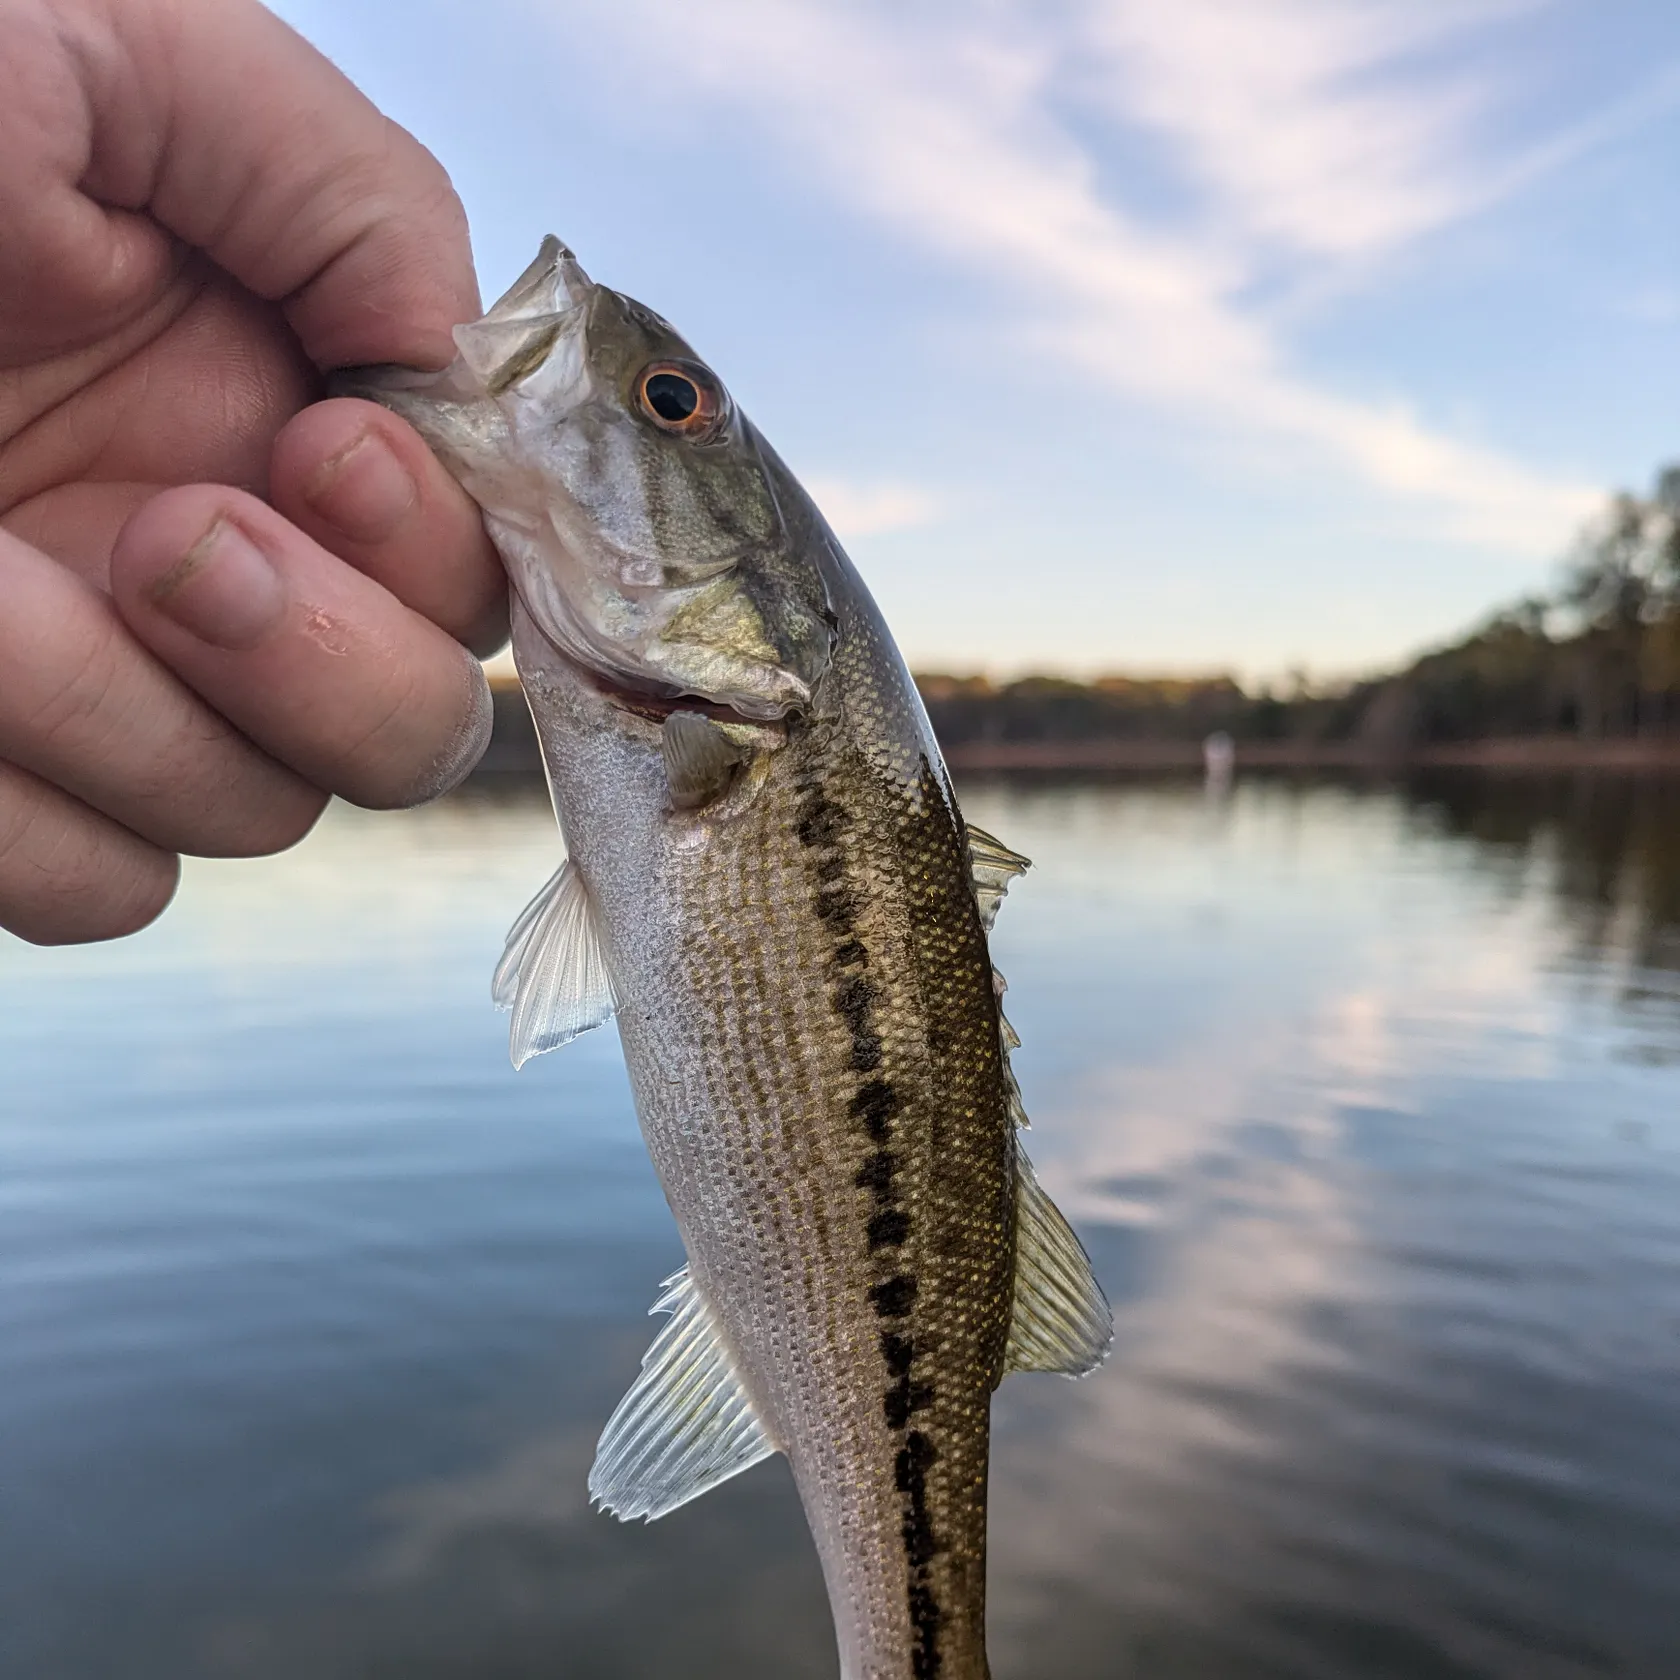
x,y
1062,1320
700,760
553,973
686,1423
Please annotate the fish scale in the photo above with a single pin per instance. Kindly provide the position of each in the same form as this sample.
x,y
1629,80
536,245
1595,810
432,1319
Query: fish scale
x,y
778,895
761,1154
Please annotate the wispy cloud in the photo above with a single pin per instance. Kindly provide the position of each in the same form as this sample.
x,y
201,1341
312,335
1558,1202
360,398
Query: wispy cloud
x,y
1316,127
1291,113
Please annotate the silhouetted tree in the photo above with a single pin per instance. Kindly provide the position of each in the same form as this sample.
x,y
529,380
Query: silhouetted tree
x,y
1599,657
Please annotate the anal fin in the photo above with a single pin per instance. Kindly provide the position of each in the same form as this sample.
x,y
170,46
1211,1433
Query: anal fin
x,y
686,1423
1062,1320
553,973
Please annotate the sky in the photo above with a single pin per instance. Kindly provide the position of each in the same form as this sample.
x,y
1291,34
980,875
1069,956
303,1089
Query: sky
x,y
1249,335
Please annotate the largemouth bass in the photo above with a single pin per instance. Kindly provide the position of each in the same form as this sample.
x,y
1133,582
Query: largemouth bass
x,y
768,879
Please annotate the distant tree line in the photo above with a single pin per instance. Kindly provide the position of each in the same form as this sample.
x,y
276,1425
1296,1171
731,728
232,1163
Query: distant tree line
x,y
1599,658
968,710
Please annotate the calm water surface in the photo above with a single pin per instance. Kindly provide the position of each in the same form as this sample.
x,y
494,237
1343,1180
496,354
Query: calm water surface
x,y
1367,1103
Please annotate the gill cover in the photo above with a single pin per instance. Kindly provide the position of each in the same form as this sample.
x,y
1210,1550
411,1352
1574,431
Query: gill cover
x,y
627,495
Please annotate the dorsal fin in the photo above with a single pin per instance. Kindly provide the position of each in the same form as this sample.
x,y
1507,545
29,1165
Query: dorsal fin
x,y
553,973
993,866
686,1423
1009,1040
1062,1320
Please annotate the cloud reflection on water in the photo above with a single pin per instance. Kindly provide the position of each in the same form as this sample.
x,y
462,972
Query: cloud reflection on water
x,y
1334,1081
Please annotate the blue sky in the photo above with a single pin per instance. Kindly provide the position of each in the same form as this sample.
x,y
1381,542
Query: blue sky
x,y
1156,335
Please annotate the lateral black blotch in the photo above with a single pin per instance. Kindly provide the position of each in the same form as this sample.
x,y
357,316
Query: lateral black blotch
x,y
898,1351
876,1105
888,1229
895,1297
905,1398
876,1174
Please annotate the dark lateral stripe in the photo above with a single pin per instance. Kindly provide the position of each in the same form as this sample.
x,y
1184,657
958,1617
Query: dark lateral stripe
x,y
866,1052
888,1229
904,1399
837,905
925,1660
898,1351
877,1103
920,1547
820,820
854,998
876,1174
895,1297
915,1458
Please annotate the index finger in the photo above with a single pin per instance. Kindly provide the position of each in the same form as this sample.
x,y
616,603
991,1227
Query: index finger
x,y
217,121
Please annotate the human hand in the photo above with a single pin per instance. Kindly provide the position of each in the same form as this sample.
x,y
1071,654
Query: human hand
x,y
218,604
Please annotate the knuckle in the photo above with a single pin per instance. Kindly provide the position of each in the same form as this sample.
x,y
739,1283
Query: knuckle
x,y
68,878
430,181
441,188
22,808
81,699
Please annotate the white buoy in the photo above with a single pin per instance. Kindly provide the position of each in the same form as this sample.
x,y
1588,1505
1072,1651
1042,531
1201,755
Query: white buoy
x,y
1219,760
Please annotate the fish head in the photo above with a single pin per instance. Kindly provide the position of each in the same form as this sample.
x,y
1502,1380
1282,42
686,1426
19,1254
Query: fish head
x,y
628,496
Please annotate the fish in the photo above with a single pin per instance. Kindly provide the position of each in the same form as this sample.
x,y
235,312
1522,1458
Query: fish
x,y
768,881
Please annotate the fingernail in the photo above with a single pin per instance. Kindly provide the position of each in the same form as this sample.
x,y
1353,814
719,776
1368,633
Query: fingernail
x,y
364,490
223,589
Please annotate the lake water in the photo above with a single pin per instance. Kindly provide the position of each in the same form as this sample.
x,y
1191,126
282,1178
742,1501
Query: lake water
x,y
1365,1100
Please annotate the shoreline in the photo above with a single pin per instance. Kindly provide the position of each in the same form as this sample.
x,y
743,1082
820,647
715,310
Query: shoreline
x,y
1533,754
513,753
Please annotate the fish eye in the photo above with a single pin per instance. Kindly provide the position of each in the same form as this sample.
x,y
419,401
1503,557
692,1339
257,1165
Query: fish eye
x,y
681,398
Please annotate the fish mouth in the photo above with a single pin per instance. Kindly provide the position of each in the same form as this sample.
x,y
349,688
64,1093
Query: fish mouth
x,y
655,706
654,702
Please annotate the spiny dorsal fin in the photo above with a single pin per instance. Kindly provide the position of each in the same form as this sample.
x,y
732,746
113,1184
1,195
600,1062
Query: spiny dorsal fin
x,y
1062,1321
1010,1040
994,866
686,1423
553,973
700,760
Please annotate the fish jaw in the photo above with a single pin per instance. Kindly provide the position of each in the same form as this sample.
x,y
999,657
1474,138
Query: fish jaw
x,y
661,563
721,640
